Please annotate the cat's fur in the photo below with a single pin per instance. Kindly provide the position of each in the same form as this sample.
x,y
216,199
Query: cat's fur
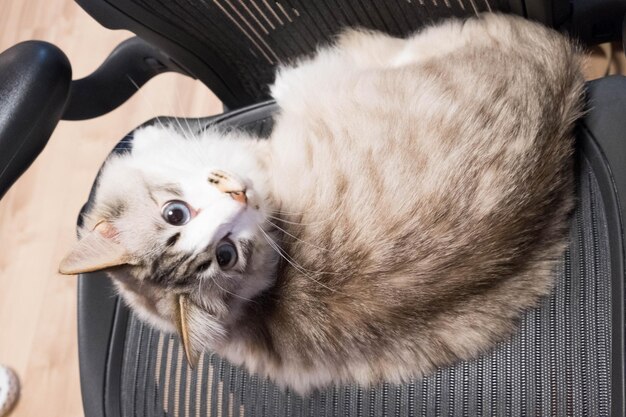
x,y
418,189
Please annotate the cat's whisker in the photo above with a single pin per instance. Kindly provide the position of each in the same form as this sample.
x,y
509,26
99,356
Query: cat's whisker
x,y
286,213
284,255
174,104
148,102
301,224
293,213
300,269
295,237
329,217
231,293
179,101
187,133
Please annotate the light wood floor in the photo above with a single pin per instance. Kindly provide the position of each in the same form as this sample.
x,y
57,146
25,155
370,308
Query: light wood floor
x,y
37,217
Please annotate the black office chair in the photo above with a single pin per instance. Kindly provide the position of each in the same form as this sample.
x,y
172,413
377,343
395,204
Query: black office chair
x,y
567,357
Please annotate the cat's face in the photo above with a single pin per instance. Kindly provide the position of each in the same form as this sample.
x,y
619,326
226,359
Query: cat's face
x,y
181,216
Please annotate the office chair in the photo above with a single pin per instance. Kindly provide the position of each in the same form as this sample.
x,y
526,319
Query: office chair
x,y
567,357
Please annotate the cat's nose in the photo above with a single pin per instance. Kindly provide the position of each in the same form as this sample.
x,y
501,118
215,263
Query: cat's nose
x,y
229,184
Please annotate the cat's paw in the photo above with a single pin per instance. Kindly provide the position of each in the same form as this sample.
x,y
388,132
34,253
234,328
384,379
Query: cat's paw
x,y
228,183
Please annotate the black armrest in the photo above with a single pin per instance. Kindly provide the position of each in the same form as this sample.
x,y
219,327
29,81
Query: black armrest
x,y
131,64
34,85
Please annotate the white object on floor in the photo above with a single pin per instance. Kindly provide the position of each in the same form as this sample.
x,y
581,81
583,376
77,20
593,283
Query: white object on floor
x,y
9,390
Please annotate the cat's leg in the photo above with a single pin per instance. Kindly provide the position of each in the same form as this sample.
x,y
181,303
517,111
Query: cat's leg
x,y
488,29
369,49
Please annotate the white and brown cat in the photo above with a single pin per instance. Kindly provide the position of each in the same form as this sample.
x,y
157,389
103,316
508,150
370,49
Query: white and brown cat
x,y
409,205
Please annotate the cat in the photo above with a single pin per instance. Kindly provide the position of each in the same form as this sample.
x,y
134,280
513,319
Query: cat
x,y
408,206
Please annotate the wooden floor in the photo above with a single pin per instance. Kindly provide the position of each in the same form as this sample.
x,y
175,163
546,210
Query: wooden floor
x,y
37,217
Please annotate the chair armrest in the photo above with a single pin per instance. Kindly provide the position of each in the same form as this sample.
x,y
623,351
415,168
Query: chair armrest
x,y
129,66
34,85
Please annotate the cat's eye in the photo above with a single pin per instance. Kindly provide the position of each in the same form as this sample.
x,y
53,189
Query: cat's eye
x,y
226,255
176,212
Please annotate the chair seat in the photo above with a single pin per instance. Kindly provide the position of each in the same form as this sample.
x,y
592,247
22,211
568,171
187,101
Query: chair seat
x,y
560,362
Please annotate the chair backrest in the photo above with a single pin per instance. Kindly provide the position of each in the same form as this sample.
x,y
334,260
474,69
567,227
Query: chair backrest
x,y
233,46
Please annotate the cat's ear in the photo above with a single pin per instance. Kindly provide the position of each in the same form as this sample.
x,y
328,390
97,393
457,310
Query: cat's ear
x,y
97,250
183,309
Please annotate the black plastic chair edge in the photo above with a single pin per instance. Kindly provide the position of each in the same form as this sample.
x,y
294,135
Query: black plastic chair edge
x,y
98,319
604,130
597,159
34,85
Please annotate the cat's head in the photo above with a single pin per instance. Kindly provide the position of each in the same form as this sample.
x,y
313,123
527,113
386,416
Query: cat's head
x,y
180,224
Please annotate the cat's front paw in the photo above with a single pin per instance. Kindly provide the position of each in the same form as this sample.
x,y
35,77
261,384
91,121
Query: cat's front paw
x,y
228,183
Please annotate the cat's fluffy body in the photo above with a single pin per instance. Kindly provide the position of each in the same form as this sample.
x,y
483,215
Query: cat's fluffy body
x,y
420,190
